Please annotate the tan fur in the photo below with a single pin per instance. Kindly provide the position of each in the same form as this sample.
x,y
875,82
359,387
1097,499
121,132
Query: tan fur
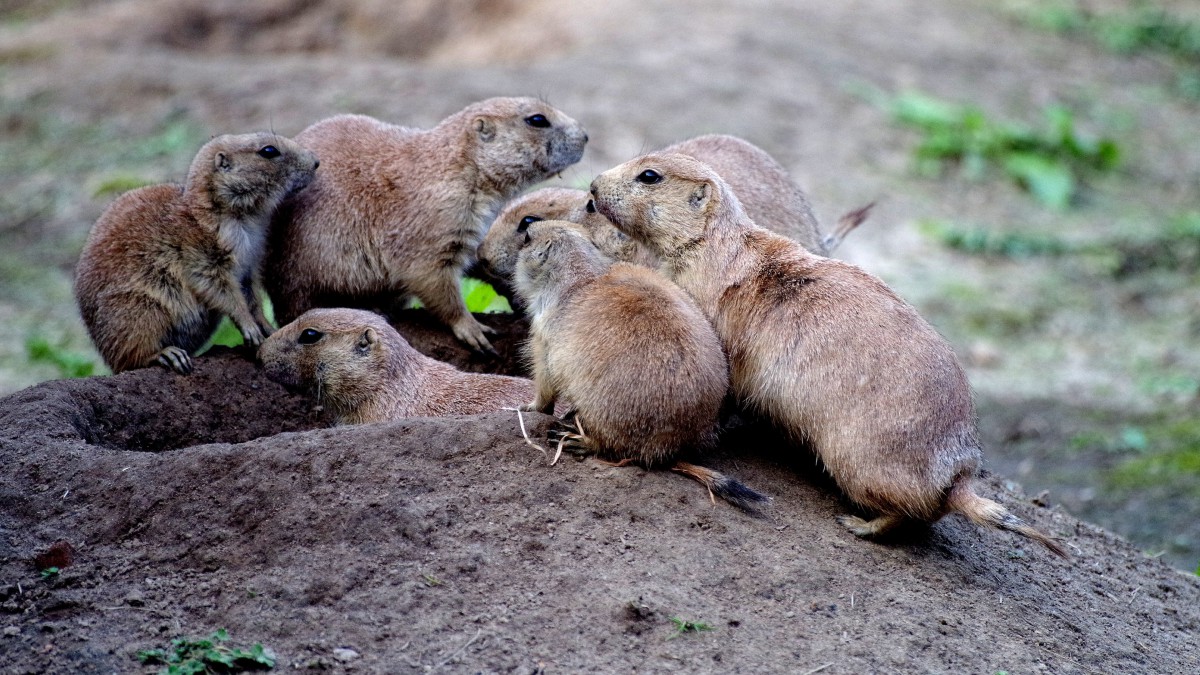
x,y
824,349
363,371
626,348
763,187
399,211
164,263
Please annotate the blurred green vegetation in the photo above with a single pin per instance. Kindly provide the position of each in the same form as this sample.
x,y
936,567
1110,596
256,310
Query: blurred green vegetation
x,y
1048,161
69,363
1141,28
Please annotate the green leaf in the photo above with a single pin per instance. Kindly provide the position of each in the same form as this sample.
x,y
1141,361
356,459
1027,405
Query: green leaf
x,y
1049,180
480,297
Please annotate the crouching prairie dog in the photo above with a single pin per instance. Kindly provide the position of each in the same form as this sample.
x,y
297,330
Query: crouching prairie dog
x,y
165,262
825,350
767,193
363,371
399,211
630,352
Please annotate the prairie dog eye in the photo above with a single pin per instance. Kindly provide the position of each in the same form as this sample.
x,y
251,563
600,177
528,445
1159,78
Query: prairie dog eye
x,y
649,177
309,336
527,221
268,152
539,120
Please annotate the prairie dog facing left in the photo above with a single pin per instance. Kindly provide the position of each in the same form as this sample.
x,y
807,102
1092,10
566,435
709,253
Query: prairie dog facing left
x,y
827,351
364,371
630,352
767,193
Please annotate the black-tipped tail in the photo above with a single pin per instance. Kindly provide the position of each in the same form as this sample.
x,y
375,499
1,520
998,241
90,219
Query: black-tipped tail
x,y
723,486
984,511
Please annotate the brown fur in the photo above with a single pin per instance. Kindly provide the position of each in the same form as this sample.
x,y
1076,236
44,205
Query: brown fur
x,y
363,371
399,211
763,187
824,349
164,263
627,349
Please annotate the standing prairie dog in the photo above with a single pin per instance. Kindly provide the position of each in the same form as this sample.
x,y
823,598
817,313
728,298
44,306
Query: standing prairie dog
x,y
769,196
628,350
399,211
363,371
164,263
824,349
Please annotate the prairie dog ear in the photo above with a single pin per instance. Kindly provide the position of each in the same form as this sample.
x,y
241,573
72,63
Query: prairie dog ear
x,y
368,339
486,129
700,196
221,162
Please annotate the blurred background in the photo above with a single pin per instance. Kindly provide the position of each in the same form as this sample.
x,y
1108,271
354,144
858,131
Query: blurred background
x,y
1036,166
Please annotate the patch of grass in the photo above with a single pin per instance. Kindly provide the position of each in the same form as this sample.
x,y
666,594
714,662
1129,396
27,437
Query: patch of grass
x,y
1128,439
1048,161
50,572
684,626
1172,458
208,655
69,363
431,580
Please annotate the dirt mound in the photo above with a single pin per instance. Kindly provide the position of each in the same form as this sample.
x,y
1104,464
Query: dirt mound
x,y
449,544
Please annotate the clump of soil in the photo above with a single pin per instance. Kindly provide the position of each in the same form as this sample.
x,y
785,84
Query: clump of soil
x,y
217,501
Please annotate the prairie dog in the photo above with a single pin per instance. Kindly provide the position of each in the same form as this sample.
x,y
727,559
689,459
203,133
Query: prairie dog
x,y
825,350
363,371
165,262
767,193
629,351
399,211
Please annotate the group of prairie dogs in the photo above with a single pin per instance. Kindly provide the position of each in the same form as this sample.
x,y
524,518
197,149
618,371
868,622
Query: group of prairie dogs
x,y
681,276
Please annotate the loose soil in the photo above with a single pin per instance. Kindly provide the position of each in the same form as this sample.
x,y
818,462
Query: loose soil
x,y
220,500
450,545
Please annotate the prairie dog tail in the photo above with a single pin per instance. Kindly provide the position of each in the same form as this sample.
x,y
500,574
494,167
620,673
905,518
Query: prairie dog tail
x,y
845,225
723,486
983,511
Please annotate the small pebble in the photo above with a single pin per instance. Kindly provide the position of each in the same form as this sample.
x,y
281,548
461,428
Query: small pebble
x,y
345,655
10,631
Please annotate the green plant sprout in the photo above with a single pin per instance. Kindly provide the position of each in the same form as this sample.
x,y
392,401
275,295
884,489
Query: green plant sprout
x,y
683,626
204,656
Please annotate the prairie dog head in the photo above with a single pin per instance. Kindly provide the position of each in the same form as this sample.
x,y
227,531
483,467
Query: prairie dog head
x,y
519,141
341,356
666,201
507,236
247,175
556,256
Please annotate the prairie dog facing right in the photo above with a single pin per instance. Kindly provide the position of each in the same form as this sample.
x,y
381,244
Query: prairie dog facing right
x,y
827,351
630,352
400,212
163,263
